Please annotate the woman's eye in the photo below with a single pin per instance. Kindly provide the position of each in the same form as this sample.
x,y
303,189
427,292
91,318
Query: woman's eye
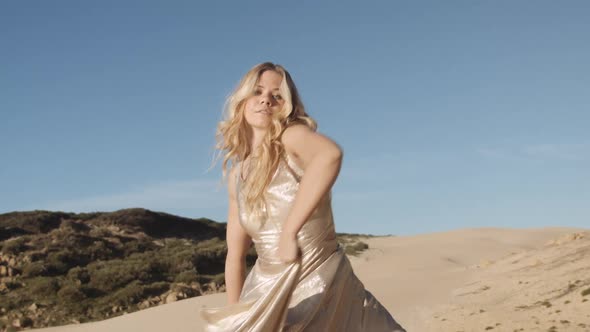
x,y
277,97
256,92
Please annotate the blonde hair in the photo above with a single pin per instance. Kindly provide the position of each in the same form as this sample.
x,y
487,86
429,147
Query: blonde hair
x,y
232,134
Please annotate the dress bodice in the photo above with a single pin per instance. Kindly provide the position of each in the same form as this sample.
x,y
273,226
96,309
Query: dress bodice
x,y
317,231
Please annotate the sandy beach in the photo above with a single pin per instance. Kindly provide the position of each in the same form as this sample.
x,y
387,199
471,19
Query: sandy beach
x,y
496,279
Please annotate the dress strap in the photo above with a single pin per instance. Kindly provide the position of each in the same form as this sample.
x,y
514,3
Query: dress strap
x,y
292,165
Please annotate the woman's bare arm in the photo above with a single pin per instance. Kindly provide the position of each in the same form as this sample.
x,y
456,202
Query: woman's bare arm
x,y
238,243
321,159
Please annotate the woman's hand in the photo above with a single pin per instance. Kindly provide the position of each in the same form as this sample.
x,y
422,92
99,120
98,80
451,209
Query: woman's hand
x,y
288,247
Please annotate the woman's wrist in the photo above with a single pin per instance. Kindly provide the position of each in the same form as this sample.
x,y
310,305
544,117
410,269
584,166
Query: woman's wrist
x,y
289,233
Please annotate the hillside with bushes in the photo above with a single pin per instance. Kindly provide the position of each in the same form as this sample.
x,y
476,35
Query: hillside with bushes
x,y
59,268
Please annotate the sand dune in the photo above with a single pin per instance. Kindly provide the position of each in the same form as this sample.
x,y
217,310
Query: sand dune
x,y
546,289
464,280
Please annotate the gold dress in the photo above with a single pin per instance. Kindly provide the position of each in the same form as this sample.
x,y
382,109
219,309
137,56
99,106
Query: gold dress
x,y
317,292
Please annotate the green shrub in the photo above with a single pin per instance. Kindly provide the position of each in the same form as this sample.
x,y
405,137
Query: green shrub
x,y
156,288
187,276
15,246
60,262
78,275
129,294
13,302
34,269
138,246
211,260
12,285
356,248
57,263
219,279
100,232
102,250
111,275
70,294
43,287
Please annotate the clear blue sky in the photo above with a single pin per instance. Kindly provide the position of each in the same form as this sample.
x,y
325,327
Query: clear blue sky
x,y
450,114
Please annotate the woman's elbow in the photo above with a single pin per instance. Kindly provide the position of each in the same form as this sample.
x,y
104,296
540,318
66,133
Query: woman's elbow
x,y
338,153
335,154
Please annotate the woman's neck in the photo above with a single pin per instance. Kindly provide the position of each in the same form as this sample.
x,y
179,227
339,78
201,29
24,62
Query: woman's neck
x,y
257,136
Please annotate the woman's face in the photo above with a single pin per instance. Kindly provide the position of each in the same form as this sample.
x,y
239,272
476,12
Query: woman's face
x,y
265,100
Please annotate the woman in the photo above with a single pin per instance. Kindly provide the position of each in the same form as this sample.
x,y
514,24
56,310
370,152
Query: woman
x,y
280,198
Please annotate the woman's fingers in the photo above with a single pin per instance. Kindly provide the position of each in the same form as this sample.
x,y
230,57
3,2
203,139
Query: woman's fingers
x,y
288,250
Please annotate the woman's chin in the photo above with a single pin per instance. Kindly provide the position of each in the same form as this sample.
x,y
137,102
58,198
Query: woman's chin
x,y
260,124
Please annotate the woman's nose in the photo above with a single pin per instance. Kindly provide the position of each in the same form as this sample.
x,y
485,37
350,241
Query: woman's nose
x,y
265,100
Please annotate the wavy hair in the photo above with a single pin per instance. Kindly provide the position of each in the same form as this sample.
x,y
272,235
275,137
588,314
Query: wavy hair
x,y
233,141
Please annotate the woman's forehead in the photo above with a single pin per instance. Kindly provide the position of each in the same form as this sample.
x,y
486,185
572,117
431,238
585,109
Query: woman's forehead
x,y
270,79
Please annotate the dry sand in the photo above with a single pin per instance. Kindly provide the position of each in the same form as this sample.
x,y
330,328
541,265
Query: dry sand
x,y
483,279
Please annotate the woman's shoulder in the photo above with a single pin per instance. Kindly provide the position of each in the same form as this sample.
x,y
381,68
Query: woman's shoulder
x,y
297,128
292,138
293,135
304,143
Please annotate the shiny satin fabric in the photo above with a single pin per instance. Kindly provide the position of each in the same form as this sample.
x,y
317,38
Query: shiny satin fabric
x,y
318,292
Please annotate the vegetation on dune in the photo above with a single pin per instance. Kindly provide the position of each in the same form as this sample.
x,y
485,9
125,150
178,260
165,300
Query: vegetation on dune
x,y
59,268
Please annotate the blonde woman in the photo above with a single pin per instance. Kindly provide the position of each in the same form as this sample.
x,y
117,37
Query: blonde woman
x,y
279,189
